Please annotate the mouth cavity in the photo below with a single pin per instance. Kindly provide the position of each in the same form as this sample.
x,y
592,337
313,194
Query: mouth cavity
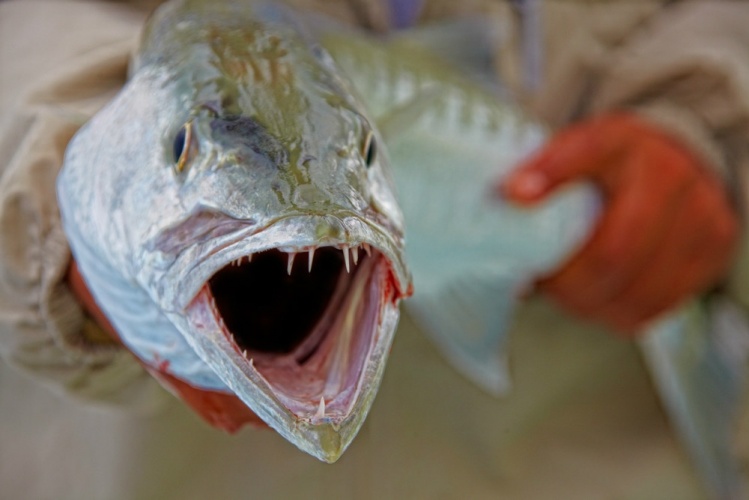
x,y
304,320
271,302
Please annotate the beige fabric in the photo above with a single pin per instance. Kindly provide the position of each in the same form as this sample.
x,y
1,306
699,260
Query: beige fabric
x,y
50,83
582,424
583,421
681,63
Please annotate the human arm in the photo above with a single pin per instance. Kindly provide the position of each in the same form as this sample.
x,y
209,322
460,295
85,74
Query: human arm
x,y
667,231
680,70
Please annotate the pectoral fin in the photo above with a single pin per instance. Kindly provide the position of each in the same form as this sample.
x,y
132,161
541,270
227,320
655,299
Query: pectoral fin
x,y
697,359
469,321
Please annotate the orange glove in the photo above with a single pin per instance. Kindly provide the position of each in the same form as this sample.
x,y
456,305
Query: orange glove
x,y
221,410
667,230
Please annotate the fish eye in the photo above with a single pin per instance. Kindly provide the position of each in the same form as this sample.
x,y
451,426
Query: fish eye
x,y
369,148
181,146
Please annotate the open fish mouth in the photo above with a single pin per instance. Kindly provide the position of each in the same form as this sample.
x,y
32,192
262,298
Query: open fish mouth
x,y
280,303
305,321
300,333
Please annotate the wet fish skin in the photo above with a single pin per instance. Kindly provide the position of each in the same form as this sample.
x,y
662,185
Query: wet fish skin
x,y
236,135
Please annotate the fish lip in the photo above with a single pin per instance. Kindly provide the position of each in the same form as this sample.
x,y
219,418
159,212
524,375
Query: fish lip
x,y
195,265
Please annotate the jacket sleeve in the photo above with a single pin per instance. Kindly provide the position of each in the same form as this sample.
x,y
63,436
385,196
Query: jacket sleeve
x,y
46,93
686,68
684,64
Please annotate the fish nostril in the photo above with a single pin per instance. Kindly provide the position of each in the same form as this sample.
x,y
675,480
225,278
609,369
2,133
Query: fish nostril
x,y
246,133
308,160
236,124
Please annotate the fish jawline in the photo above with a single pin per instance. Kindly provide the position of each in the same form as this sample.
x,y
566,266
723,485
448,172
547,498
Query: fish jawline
x,y
319,404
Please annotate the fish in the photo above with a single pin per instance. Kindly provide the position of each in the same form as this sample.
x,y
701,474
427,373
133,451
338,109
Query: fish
x,y
474,256
233,215
250,146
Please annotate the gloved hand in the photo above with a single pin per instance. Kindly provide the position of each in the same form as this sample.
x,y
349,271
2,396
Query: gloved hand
x,y
222,410
667,230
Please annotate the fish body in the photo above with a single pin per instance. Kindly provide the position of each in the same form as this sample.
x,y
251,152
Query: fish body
x,y
473,255
233,217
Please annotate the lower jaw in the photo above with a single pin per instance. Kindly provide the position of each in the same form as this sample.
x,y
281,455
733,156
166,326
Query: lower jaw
x,y
324,437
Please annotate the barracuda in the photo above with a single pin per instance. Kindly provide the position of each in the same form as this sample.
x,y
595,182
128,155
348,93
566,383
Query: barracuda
x,y
233,213
234,217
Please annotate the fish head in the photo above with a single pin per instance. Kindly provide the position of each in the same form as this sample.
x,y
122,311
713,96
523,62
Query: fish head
x,y
236,193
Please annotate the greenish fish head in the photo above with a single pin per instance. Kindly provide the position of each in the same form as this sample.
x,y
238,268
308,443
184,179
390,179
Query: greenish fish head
x,y
236,193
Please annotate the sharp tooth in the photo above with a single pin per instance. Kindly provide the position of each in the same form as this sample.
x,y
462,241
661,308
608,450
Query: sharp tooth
x,y
345,258
355,254
252,362
290,263
244,353
309,261
367,249
249,258
321,408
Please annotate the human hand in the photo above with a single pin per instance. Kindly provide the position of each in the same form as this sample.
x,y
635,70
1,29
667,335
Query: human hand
x,y
667,230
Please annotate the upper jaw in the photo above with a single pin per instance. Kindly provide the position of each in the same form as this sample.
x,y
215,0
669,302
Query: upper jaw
x,y
343,366
194,263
